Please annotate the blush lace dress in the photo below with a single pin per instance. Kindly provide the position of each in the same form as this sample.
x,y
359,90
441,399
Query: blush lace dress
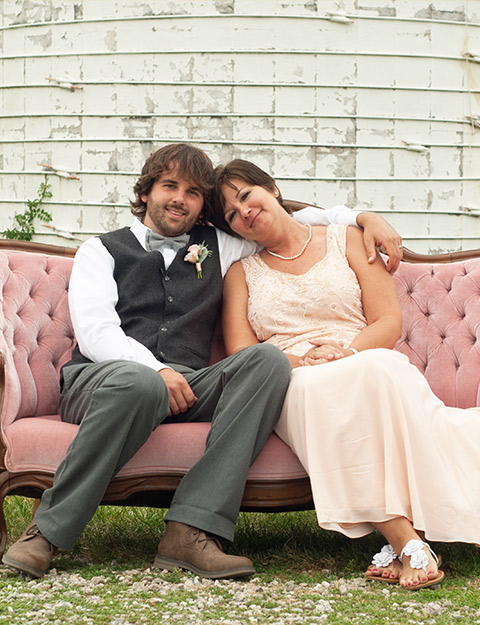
x,y
374,439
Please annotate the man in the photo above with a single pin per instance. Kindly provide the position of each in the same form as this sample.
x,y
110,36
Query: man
x,y
144,319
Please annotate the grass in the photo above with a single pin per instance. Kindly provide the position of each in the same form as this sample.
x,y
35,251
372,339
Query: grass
x,y
304,575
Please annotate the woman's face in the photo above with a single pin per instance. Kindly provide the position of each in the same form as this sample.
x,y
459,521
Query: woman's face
x,y
249,208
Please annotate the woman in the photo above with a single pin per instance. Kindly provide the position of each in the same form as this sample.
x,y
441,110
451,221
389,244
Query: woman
x,y
382,451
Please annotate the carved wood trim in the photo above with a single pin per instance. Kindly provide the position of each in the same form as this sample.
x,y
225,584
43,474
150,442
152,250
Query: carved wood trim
x,y
157,491
38,248
2,398
408,255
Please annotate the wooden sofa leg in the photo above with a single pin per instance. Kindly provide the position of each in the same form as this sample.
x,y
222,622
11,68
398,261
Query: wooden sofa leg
x,y
3,524
36,503
3,528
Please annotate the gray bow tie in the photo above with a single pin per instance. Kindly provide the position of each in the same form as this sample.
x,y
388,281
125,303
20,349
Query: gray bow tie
x,y
155,241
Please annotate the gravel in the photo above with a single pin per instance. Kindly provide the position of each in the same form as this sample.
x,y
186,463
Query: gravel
x,y
137,596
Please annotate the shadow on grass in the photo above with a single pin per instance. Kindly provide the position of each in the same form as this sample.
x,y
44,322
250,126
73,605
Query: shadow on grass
x,y
280,544
292,542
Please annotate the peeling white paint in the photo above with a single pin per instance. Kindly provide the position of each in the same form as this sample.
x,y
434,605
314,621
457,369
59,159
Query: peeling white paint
x,y
329,107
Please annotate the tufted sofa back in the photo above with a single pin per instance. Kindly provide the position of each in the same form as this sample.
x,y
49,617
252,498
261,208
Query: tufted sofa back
x,y
441,326
441,336
36,336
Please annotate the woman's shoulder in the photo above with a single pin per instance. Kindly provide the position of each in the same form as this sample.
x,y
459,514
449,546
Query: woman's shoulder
x,y
334,230
354,238
235,268
337,236
235,275
252,260
242,266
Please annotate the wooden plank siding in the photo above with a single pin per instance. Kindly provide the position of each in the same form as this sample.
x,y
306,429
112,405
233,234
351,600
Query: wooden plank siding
x,y
376,107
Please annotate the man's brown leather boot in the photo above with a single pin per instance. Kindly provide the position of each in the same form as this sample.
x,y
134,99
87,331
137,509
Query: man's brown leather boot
x,y
186,547
31,554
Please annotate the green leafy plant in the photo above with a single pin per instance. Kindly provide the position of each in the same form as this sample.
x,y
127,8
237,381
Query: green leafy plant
x,y
25,222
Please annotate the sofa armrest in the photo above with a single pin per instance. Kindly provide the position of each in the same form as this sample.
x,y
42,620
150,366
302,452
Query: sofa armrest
x,y
2,398
40,248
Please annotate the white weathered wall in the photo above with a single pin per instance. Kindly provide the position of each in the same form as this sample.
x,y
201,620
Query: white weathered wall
x,y
326,106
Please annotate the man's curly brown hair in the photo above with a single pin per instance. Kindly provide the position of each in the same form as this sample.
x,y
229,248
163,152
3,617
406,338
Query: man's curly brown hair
x,y
188,162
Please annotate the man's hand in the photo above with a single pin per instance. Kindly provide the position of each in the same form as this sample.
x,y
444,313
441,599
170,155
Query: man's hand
x,y
377,231
179,392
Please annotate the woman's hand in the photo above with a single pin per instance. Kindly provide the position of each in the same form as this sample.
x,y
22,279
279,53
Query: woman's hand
x,y
325,350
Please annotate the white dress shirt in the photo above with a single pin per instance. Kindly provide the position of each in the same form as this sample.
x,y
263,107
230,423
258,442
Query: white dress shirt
x,y
93,291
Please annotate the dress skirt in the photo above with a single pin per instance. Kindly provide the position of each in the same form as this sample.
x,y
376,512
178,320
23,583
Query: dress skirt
x,y
377,444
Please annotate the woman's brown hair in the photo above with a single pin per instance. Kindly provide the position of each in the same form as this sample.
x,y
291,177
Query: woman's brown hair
x,y
223,175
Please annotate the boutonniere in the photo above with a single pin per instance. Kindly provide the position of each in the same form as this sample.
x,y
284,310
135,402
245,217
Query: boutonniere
x,y
197,254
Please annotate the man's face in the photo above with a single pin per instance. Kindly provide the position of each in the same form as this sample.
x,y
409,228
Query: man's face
x,y
173,205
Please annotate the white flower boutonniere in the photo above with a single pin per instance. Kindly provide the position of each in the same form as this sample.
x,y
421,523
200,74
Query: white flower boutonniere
x,y
197,254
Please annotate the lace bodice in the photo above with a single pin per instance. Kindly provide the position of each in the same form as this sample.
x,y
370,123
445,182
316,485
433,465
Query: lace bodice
x,y
289,310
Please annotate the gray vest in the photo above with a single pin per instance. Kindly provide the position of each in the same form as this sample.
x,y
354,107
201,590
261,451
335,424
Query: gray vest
x,y
171,312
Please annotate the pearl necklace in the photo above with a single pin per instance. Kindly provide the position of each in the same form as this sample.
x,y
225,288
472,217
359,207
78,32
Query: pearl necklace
x,y
309,238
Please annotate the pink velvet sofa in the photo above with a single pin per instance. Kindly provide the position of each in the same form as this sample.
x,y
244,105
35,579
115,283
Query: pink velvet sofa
x,y
440,297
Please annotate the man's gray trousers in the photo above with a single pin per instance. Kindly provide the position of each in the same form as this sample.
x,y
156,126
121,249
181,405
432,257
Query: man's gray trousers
x,y
118,404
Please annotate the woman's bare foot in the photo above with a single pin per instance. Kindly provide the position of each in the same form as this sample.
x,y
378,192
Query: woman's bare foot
x,y
385,567
419,563
420,566
390,573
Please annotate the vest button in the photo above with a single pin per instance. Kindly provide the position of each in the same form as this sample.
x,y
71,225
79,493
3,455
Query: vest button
x,y
170,298
164,329
167,278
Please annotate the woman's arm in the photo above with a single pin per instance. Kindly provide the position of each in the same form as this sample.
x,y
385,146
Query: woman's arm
x,y
379,297
237,332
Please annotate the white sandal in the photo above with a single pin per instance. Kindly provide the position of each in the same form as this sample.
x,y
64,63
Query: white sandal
x,y
419,560
383,558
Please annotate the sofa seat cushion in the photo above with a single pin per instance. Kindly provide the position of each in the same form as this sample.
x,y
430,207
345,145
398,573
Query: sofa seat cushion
x,y
40,443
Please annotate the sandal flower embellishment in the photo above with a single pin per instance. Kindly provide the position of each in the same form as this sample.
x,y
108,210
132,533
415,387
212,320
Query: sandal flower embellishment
x,y
386,555
196,255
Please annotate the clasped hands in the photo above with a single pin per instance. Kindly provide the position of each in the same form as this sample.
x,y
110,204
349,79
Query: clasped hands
x,y
324,350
